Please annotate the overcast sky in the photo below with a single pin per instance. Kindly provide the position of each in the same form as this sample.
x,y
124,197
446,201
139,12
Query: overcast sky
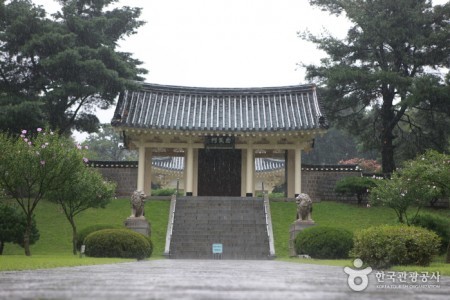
x,y
225,43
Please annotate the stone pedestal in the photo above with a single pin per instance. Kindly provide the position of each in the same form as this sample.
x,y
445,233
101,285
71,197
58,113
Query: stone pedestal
x,y
294,229
138,224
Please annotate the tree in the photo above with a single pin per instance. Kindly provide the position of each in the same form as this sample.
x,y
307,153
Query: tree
x,y
419,182
334,146
19,100
355,186
106,145
87,190
12,227
34,164
430,119
371,79
67,65
432,171
394,194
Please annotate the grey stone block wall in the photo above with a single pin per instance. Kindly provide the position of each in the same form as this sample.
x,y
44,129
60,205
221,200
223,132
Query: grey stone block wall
x,y
124,177
318,182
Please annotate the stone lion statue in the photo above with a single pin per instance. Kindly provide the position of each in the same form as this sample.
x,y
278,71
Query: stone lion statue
x,y
137,204
304,207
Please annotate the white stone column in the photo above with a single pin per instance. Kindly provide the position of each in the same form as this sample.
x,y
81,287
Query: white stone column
x,y
243,173
144,180
195,180
141,168
290,173
189,187
297,172
250,166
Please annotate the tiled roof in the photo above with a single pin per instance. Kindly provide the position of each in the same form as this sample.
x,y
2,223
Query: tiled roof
x,y
225,110
176,163
262,164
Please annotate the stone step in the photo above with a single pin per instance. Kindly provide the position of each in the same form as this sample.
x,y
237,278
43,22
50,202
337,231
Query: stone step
x,y
239,224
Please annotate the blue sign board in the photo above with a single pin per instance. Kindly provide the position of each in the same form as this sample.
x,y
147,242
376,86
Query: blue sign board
x,y
217,248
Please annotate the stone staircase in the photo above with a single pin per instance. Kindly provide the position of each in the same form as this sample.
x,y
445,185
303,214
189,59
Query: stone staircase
x,y
239,224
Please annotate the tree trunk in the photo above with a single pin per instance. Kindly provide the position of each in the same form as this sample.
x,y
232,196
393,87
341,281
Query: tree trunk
x,y
387,137
2,245
26,237
447,260
74,236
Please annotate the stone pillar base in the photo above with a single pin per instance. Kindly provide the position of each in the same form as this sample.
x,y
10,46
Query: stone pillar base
x,y
294,229
138,224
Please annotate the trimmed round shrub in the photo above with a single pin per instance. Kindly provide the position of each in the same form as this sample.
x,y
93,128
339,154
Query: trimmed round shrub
x,y
82,234
438,225
324,242
385,246
123,243
357,186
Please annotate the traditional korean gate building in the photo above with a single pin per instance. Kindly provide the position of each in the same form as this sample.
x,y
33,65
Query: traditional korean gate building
x,y
220,132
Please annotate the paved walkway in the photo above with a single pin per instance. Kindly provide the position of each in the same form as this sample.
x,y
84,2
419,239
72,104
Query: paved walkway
x,y
205,279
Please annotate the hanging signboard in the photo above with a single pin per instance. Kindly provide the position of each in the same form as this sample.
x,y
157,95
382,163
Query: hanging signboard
x,y
219,142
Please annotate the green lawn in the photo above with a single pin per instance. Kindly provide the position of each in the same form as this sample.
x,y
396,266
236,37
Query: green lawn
x,y
54,247
56,233
350,217
22,262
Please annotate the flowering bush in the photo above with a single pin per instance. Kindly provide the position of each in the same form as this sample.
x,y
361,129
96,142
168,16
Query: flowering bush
x,y
420,181
34,164
367,165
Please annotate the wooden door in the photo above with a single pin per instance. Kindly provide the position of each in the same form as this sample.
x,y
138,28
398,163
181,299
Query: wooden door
x,y
219,172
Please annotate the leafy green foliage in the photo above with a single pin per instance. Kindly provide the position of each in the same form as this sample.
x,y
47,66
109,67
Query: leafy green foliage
x,y
88,189
16,113
438,225
334,146
164,192
394,193
357,186
12,227
82,234
385,246
122,243
68,65
429,172
375,79
420,182
324,242
104,145
33,165
279,189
